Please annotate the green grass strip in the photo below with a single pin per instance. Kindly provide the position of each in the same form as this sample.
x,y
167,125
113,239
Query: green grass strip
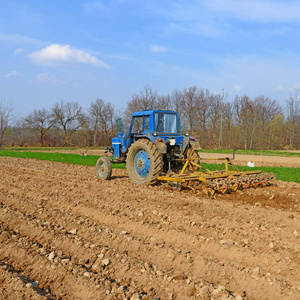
x,y
285,174
25,149
75,159
223,151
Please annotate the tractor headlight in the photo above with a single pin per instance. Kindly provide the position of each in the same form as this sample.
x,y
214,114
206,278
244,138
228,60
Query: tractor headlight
x,y
154,133
172,142
186,134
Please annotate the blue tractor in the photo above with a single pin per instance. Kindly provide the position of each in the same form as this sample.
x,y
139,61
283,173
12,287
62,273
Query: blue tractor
x,y
155,150
154,146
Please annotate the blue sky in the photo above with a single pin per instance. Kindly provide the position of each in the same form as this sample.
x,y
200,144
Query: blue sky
x,y
84,50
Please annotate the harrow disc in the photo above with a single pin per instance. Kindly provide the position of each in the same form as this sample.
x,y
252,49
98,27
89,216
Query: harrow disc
x,y
211,182
239,182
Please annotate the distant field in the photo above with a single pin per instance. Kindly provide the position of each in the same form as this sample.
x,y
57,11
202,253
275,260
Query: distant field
x,y
285,174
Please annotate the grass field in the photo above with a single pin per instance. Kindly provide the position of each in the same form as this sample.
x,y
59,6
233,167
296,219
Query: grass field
x,y
285,174
76,159
47,148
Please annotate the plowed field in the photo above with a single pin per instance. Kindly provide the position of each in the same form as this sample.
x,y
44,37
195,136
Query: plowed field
x,y
66,235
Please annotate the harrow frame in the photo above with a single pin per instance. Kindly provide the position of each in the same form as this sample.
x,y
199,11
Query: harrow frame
x,y
221,181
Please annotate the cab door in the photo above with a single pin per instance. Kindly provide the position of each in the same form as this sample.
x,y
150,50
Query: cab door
x,y
121,134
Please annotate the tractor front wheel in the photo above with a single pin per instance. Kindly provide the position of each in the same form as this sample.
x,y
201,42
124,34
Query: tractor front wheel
x,y
144,164
104,168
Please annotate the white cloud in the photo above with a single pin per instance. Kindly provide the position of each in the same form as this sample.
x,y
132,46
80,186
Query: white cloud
x,y
257,10
46,77
194,27
282,88
17,52
246,75
237,87
158,49
216,18
94,7
13,74
20,39
288,88
56,54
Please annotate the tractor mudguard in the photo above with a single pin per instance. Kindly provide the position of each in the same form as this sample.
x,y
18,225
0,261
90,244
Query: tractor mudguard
x,y
195,145
161,147
189,141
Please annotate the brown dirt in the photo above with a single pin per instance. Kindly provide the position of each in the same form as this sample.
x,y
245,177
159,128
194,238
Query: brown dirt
x,y
66,235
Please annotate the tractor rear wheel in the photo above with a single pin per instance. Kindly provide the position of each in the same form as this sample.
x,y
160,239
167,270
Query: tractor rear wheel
x,y
144,164
104,168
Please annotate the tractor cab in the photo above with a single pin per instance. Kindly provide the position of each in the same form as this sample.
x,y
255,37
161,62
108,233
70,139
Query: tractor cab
x,y
154,125
155,122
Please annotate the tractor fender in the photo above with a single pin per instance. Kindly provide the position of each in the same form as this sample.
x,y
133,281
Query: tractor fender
x,y
195,145
161,147
189,141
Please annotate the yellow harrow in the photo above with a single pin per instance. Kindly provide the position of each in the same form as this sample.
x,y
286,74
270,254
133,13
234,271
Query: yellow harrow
x,y
196,177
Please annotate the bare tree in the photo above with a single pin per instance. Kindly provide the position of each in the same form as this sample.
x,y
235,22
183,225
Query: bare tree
x,y
164,102
204,111
202,115
228,125
146,99
215,113
257,123
101,116
19,133
293,116
176,105
69,117
40,120
247,119
190,102
265,110
276,139
5,119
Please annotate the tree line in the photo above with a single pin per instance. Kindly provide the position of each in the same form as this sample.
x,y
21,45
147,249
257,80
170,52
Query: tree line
x,y
241,122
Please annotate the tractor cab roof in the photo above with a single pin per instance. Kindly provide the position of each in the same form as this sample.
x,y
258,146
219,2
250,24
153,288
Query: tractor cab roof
x,y
151,112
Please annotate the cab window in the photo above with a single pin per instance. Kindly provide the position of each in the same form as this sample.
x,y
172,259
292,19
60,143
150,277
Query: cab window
x,y
137,124
147,122
166,123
